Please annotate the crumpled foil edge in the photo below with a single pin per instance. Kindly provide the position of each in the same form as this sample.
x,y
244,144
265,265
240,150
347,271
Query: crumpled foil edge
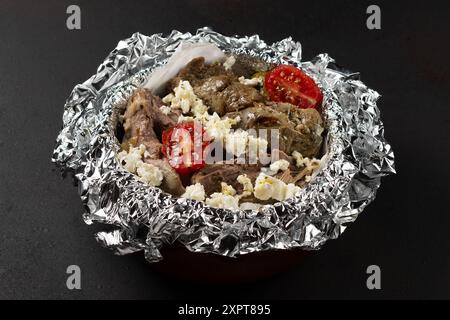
x,y
146,218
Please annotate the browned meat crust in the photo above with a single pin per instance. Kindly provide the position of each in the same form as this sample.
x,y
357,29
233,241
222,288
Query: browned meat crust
x,y
220,89
246,66
212,175
299,129
171,182
196,71
143,124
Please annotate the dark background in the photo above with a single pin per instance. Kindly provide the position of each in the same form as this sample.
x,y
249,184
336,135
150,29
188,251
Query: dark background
x,y
405,231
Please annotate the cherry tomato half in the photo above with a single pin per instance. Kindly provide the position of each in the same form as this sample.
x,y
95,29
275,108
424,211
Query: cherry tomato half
x,y
287,83
184,145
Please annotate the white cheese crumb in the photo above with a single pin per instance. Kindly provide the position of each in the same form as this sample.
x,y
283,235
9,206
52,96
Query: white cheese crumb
x,y
195,192
251,115
149,173
229,62
220,200
253,82
267,187
236,142
228,189
246,183
185,99
182,118
291,190
215,126
257,145
300,161
278,165
165,109
168,99
133,162
130,159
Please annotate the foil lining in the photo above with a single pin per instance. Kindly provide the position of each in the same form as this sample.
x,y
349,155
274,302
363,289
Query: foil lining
x,y
146,218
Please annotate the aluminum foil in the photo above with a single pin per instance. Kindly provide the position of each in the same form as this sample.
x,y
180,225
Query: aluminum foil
x,y
146,218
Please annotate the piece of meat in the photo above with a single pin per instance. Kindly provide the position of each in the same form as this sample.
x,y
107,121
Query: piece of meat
x,y
212,175
196,72
171,182
235,97
246,66
298,129
144,122
209,91
220,89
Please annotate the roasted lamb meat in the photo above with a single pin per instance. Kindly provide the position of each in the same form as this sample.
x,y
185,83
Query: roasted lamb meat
x,y
210,107
299,129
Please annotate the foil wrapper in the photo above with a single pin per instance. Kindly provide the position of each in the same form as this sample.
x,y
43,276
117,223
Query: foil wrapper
x,y
146,218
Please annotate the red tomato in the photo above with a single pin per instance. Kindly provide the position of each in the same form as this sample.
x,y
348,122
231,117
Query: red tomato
x,y
287,83
184,145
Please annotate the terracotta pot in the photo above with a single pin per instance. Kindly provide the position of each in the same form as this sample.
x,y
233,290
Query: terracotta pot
x,y
209,268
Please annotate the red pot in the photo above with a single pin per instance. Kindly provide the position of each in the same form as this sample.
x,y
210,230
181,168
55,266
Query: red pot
x,y
209,268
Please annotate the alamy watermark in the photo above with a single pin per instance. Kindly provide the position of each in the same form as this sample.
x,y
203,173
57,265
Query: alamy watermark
x,y
73,21
374,280
374,20
238,147
73,281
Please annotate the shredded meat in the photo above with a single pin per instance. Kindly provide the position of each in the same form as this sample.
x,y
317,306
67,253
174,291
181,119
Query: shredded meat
x,y
247,66
220,89
212,175
196,72
171,182
299,129
235,97
144,122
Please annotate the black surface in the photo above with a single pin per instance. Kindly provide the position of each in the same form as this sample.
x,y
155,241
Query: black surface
x,y
405,231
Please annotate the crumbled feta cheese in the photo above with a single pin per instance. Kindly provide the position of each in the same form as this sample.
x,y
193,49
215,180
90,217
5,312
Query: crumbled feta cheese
x,y
168,99
228,189
278,165
130,159
291,190
251,115
149,173
246,183
185,99
165,109
182,118
133,162
220,200
199,107
300,161
215,126
229,62
298,158
256,144
195,192
253,82
267,187
236,142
